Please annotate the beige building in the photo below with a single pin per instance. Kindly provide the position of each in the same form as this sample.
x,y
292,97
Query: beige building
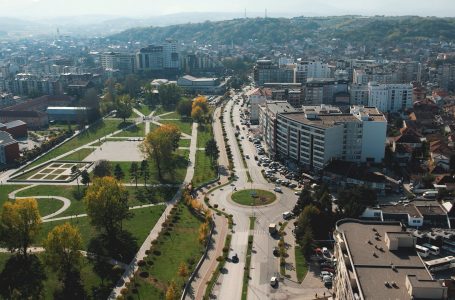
x,y
377,260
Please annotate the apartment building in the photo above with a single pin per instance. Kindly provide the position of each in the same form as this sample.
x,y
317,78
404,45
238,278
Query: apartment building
x,y
311,69
319,134
390,97
268,113
158,57
265,71
124,62
358,94
378,260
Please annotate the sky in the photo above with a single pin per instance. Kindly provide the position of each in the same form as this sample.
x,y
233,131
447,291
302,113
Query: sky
x,y
146,8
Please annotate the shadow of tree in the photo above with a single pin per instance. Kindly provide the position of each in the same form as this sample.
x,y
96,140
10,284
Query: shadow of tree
x,y
22,278
122,247
72,287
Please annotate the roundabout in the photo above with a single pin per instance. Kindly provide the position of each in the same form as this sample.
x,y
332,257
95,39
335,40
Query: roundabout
x,y
253,197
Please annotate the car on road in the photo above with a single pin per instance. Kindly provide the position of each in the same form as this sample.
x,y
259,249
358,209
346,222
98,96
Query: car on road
x,y
287,215
327,281
277,189
247,156
325,273
274,281
276,252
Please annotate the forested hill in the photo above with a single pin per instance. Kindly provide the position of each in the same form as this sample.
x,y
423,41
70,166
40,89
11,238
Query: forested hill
x,y
376,30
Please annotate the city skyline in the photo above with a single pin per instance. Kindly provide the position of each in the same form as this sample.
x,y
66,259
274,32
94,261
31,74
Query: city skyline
x,y
51,8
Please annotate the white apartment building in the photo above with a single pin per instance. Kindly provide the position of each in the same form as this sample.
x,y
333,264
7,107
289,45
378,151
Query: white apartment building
x,y
158,57
358,94
124,62
171,54
317,135
257,97
311,69
390,97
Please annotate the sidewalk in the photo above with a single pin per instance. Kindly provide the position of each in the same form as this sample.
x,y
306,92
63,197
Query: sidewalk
x,y
199,284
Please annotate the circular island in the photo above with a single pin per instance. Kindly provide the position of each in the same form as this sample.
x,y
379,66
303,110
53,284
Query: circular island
x,y
253,197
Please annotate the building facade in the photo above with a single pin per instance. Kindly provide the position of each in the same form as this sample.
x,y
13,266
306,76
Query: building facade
x,y
390,97
124,62
319,134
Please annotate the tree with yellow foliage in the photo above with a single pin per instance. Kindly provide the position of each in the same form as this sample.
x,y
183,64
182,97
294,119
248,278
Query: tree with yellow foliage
x,y
200,108
20,223
203,232
106,201
62,248
183,270
160,145
171,292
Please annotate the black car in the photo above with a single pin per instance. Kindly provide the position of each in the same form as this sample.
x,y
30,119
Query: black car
x,y
235,258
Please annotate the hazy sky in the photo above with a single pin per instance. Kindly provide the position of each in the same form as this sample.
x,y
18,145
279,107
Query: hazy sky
x,y
142,8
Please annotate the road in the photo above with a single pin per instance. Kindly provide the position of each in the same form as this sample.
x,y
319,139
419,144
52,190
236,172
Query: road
x,y
263,265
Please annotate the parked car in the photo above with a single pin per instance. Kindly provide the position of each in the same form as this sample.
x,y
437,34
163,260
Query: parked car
x,y
273,281
277,189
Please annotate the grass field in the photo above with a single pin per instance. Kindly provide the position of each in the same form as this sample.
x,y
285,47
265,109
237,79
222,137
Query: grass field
x,y
6,189
172,115
161,110
95,132
133,131
144,109
48,206
185,126
79,155
180,246
204,134
184,143
203,170
139,225
301,266
245,197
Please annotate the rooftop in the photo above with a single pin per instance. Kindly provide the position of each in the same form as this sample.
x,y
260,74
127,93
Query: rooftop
x,y
372,260
6,138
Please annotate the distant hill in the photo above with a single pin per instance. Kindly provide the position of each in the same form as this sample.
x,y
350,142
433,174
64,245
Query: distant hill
x,y
356,29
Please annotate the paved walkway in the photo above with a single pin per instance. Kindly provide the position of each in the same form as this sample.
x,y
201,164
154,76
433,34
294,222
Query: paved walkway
x,y
132,267
289,241
199,284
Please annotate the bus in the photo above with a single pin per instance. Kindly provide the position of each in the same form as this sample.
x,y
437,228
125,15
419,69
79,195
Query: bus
x,y
440,264
422,251
433,249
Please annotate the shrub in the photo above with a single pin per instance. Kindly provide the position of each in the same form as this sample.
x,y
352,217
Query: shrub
x,y
225,249
144,274
219,258
124,291
141,263
147,252
215,205
157,252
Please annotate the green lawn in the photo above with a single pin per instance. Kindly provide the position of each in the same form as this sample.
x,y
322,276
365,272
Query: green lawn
x,y
301,266
77,205
161,110
203,171
173,115
97,131
144,109
79,155
184,143
245,197
6,189
139,225
204,134
181,245
185,126
134,131
48,206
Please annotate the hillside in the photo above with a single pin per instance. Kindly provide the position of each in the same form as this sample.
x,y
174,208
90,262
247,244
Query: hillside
x,y
355,29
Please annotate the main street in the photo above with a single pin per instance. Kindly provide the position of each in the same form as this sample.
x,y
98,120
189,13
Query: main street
x,y
263,265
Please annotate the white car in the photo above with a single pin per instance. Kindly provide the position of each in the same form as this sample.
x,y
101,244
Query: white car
x,y
277,189
273,281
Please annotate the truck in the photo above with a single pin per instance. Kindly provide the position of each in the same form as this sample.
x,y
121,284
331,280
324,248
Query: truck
x,y
272,228
430,194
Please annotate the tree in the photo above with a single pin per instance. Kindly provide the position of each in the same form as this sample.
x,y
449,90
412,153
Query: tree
x,y
183,270
352,202
211,150
199,108
124,107
75,173
170,95
62,248
203,232
304,200
306,243
309,219
20,223
171,292
106,201
91,100
184,107
134,171
118,172
102,168
132,85
85,178
197,114
160,144
144,170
